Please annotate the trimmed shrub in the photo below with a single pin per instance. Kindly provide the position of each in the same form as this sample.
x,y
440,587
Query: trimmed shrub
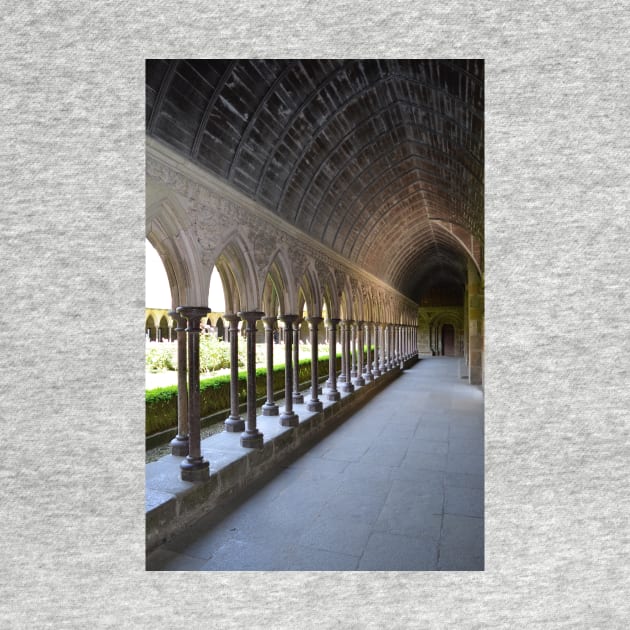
x,y
214,393
161,409
160,357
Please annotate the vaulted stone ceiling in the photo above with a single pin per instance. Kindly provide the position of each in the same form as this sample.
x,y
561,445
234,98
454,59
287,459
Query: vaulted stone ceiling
x,y
369,157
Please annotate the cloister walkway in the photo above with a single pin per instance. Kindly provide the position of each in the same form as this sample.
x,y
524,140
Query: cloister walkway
x,y
397,487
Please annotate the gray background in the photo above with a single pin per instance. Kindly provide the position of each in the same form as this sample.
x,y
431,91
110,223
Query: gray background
x,y
72,345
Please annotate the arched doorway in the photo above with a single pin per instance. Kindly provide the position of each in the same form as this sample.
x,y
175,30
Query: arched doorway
x,y
448,340
150,327
220,329
162,332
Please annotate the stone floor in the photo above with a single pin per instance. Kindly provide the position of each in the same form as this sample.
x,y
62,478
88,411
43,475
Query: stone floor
x,y
397,487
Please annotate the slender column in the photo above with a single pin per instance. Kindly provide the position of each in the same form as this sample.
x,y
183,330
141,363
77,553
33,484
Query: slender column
x,y
298,398
344,358
269,408
359,380
402,344
383,363
353,332
314,403
347,385
179,444
252,437
288,418
400,348
385,349
234,422
332,393
194,467
369,377
376,363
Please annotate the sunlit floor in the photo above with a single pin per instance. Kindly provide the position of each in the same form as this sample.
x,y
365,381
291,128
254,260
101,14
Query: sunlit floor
x,y
397,487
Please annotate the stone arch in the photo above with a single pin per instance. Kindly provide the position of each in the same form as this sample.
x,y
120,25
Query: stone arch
x,y
240,284
308,295
278,292
436,326
149,325
163,329
311,288
220,329
178,250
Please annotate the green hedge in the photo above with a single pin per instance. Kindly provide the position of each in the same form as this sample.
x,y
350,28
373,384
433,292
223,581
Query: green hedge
x,y
214,393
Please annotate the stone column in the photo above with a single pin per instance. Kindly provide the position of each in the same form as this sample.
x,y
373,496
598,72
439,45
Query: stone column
x,y
405,342
347,385
383,364
401,358
376,363
332,393
368,376
314,404
384,349
359,380
288,418
252,437
342,339
298,398
194,467
179,444
353,333
234,422
269,408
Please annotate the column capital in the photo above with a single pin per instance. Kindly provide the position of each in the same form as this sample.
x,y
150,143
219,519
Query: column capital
x,y
269,320
233,318
288,319
333,321
251,316
179,320
193,312
314,321
358,322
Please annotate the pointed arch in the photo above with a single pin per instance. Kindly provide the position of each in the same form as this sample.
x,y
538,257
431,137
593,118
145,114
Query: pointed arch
x,y
278,291
166,230
237,273
310,285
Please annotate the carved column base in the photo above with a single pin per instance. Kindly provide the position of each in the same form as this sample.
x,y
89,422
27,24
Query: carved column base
x,y
252,440
349,387
290,419
234,425
179,445
197,469
270,409
359,381
298,399
368,377
314,405
333,396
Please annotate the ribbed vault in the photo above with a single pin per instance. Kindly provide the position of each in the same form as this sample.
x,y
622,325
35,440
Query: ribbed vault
x,y
364,156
